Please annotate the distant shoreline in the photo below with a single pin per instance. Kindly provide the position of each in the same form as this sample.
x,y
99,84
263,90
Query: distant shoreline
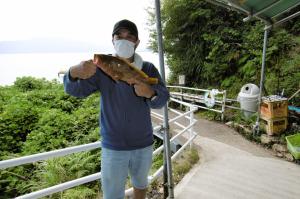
x,y
47,65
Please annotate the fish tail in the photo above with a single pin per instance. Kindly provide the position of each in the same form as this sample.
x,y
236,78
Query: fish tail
x,y
152,80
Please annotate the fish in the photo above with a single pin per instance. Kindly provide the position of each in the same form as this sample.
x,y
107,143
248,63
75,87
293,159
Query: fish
x,y
121,69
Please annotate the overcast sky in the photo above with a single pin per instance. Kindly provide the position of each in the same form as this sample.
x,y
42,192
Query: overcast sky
x,y
83,20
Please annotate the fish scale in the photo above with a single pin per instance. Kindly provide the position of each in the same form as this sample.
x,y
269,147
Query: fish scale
x,y
120,69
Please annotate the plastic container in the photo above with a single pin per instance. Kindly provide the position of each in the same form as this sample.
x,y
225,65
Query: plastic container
x,y
248,98
293,145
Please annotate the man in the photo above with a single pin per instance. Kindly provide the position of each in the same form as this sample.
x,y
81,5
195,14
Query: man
x,y
126,129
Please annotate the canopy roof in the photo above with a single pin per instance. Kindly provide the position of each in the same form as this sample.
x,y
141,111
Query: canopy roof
x,y
272,12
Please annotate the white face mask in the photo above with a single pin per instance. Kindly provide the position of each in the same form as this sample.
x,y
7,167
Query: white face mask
x,y
124,48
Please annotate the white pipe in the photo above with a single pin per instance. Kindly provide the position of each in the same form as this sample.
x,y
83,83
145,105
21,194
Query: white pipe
x,y
73,183
70,150
93,177
211,109
156,114
184,130
157,128
180,116
188,88
157,117
61,187
159,149
180,102
46,155
191,125
194,89
177,112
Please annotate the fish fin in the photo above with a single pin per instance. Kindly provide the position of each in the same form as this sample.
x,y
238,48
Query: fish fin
x,y
152,80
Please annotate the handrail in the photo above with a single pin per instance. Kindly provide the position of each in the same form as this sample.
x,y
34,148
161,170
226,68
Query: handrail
x,y
177,112
61,187
159,149
85,147
180,116
216,101
51,154
188,88
46,155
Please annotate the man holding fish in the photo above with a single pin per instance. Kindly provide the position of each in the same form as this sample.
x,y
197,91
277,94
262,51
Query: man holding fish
x,y
129,87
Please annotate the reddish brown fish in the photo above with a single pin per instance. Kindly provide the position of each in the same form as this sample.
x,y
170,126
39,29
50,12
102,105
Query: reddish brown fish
x,y
120,69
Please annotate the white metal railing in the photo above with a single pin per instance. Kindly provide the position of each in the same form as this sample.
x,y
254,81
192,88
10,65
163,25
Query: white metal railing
x,y
46,155
86,147
61,187
221,101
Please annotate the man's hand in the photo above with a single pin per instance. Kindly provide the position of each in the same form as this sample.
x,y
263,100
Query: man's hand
x,y
84,70
143,89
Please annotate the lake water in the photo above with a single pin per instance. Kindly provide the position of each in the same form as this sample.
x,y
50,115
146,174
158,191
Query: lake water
x,y
47,65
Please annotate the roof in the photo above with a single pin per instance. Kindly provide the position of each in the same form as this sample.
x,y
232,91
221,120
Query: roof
x,y
272,12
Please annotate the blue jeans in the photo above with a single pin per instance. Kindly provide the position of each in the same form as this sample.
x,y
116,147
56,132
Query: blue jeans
x,y
115,166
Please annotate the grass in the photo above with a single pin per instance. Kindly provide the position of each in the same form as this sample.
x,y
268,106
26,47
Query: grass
x,y
181,166
184,164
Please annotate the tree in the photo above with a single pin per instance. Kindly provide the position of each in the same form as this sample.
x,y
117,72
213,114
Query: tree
x,y
214,48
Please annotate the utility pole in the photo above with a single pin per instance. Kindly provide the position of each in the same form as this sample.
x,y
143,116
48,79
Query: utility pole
x,y
167,172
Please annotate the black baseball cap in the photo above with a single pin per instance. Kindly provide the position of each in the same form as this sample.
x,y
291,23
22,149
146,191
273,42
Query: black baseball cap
x,y
129,25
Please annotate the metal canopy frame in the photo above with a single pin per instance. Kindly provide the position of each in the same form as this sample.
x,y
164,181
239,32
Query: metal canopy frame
x,y
272,13
269,11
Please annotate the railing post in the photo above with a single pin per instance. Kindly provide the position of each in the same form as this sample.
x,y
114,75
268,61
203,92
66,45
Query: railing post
x,y
191,130
223,105
181,98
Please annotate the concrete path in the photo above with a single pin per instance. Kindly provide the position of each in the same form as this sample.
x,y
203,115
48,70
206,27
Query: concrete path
x,y
231,167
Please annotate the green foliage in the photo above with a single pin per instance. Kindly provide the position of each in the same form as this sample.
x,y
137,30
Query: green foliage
x,y
30,83
59,170
157,162
17,119
14,181
54,130
286,73
35,116
214,48
80,192
209,115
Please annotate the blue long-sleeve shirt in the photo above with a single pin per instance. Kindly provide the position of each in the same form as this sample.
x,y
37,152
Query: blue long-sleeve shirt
x,y
125,118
